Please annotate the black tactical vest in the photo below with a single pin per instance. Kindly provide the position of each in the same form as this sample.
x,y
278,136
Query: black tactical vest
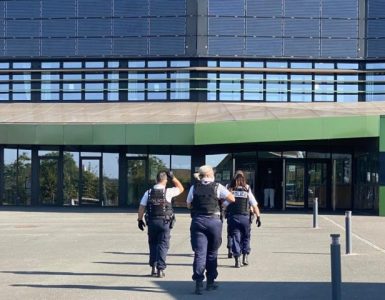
x,y
157,205
241,205
205,199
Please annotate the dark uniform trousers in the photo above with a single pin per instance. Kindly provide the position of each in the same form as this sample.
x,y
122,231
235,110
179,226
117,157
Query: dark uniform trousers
x,y
240,234
159,242
206,238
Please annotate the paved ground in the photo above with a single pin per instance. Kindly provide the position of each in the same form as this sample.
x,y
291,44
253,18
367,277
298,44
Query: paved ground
x,y
96,254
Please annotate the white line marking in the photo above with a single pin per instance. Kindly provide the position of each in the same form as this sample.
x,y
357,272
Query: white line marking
x,y
356,236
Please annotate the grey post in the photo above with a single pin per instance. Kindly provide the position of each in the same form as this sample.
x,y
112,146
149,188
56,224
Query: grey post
x,y
348,231
315,213
335,252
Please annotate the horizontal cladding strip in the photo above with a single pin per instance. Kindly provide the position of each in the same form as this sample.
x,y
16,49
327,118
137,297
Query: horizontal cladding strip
x,y
228,132
287,130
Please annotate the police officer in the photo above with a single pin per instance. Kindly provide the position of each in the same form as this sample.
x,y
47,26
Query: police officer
x,y
239,217
206,226
156,202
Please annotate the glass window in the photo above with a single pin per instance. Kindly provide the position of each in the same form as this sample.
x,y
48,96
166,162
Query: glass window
x,y
113,64
212,63
300,65
111,178
50,76
157,89
4,65
230,64
4,77
324,88
301,88
347,88
72,65
180,63
4,88
324,66
230,87
94,64
50,91
349,66
374,66
136,86
136,64
157,64
95,76
158,162
94,91
180,87
71,178
181,166
4,96
276,87
212,87
253,87
21,65
72,76
223,166
276,64
17,177
341,181
50,65
253,64
113,87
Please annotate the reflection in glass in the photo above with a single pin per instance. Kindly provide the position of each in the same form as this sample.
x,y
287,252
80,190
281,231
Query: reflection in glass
x,y
71,178
317,183
157,86
276,87
294,185
212,87
110,178
113,86
136,180
341,181
17,177
90,182
181,166
136,86
230,87
253,87
157,163
367,182
301,88
347,88
223,167
48,181
180,86
324,88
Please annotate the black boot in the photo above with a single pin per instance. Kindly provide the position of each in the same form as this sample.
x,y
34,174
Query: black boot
x,y
237,262
160,274
245,259
198,287
211,285
229,254
153,271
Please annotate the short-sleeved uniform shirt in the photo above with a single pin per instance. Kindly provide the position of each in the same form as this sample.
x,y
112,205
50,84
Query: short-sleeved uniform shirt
x,y
222,192
252,200
170,193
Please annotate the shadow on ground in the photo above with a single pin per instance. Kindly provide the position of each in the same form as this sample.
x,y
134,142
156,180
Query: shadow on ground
x,y
241,290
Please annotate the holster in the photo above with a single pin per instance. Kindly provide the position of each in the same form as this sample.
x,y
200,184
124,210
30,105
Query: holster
x,y
251,218
172,221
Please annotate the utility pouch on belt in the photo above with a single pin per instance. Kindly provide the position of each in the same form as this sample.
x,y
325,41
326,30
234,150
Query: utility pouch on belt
x,y
172,221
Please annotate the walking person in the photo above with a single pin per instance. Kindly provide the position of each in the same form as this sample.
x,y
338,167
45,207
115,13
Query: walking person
x,y
156,203
206,226
269,189
239,218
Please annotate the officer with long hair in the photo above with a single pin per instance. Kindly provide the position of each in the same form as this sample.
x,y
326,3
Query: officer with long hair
x,y
156,202
239,218
206,226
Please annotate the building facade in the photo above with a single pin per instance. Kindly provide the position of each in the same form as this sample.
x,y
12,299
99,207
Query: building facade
x,y
98,95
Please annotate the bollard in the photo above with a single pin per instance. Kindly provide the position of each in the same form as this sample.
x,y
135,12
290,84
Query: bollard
x,y
315,213
335,254
348,231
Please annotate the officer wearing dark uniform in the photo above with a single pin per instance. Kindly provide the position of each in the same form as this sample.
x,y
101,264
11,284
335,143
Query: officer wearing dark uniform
x,y
156,202
206,226
239,218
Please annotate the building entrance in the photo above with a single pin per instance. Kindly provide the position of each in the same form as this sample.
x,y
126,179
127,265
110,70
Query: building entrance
x,y
137,179
91,181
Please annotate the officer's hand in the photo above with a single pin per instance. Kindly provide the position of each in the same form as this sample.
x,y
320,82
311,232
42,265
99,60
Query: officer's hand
x,y
258,221
141,225
170,175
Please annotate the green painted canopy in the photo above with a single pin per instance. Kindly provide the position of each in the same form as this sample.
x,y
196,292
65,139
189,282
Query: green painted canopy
x,y
187,123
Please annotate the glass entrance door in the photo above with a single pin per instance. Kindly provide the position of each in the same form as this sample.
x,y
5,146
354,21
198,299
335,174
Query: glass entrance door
x,y
137,175
48,180
317,183
90,181
294,184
